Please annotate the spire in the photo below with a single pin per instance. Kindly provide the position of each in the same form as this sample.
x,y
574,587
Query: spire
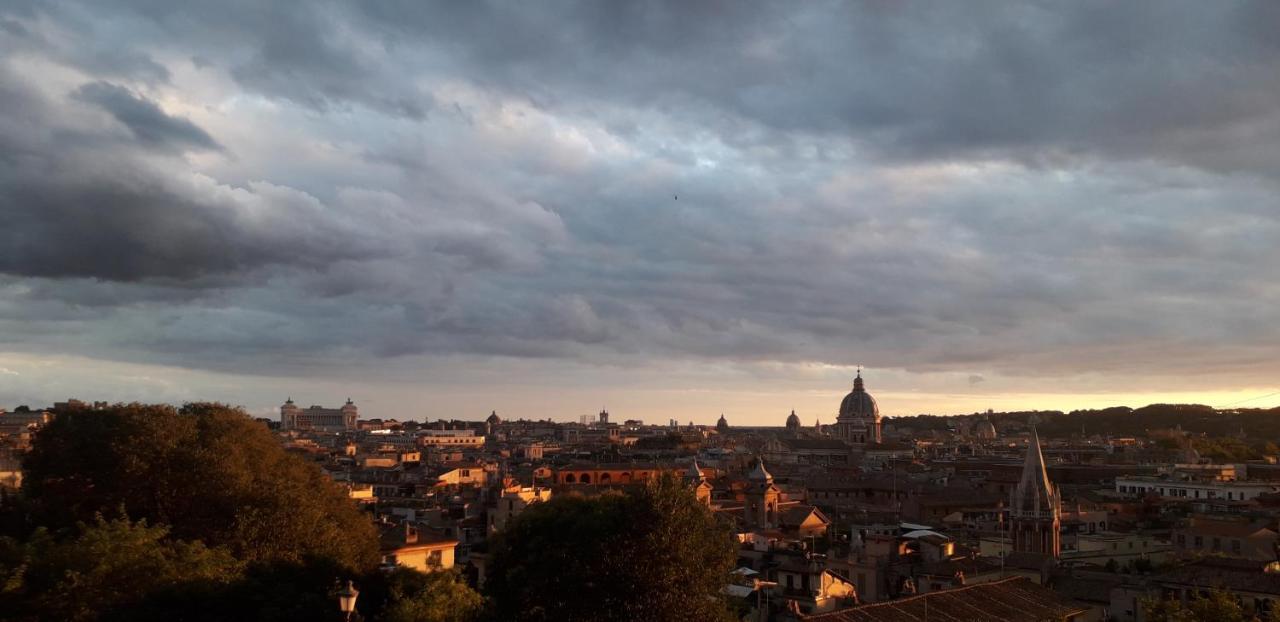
x,y
1034,490
759,474
695,473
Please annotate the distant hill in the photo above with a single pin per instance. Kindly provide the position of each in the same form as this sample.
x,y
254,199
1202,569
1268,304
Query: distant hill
x,y
1256,424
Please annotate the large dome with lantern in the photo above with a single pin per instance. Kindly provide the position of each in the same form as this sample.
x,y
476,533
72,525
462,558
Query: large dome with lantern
x,y
859,404
858,422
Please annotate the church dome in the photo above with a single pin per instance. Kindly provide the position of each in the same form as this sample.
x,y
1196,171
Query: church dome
x,y
984,430
793,422
493,418
859,404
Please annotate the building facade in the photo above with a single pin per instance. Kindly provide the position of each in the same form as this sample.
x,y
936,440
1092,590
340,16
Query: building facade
x,y
458,439
318,418
1193,490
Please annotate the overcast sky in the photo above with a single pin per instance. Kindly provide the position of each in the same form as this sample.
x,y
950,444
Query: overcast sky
x,y
666,209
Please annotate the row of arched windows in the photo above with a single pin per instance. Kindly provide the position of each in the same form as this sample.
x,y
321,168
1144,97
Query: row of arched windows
x,y
625,477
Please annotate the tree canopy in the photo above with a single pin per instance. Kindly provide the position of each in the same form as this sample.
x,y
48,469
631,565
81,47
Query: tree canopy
x,y
107,564
151,513
207,472
652,553
1216,606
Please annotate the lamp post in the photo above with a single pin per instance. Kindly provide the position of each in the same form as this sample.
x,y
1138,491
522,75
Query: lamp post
x,y
759,585
347,599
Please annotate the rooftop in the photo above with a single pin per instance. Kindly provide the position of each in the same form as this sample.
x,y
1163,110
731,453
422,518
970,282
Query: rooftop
x,y
1009,600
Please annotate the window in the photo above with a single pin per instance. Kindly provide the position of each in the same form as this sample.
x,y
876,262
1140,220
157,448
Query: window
x,y
1199,542
1235,546
1217,544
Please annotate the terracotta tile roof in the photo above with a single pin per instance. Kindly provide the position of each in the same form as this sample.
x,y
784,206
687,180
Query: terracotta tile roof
x,y
968,565
1009,600
796,515
1090,589
1229,529
1239,575
1028,561
816,444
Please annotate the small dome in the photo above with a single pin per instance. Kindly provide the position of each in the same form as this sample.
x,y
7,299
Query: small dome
x,y
722,424
793,422
984,430
493,419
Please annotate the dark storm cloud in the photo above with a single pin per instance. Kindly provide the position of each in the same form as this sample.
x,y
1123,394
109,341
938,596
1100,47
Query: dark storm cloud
x,y
1033,189
1184,81
78,204
148,123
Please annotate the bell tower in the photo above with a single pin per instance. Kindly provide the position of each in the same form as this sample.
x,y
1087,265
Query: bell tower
x,y
1035,507
762,498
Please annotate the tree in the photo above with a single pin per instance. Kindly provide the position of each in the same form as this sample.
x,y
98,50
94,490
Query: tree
x,y
1216,606
652,553
107,565
265,592
208,471
414,596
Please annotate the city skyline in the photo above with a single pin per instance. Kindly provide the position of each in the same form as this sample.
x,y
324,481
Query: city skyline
x,y
811,398
667,210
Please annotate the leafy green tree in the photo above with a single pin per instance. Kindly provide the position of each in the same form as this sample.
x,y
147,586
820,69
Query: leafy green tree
x,y
108,564
1217,606
266,592
208,471
652,553
414,596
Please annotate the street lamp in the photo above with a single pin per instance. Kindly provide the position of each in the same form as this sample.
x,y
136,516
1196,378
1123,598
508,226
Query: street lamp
x,y
347,599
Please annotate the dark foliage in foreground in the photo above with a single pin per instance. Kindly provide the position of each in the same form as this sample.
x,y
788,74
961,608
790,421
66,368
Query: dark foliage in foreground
x,y
148,513
653,553
208,472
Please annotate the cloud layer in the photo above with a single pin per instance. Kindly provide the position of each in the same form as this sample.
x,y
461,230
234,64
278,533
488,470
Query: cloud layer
x,y
1013,198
